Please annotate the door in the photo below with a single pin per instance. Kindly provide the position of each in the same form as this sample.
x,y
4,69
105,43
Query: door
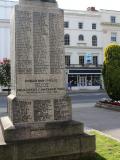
x,y
82,81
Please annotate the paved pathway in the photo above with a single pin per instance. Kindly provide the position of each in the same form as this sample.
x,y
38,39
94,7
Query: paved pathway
x,y
106,121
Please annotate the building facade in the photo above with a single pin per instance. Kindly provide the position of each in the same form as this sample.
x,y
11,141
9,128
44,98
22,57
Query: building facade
x,y
86,34
5,13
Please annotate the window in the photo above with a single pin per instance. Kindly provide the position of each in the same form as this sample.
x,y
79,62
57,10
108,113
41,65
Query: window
x,y
95,60
81,60
67,60
93,25
81,37
94,40
66,24
66,39
113,19
80,25
113,37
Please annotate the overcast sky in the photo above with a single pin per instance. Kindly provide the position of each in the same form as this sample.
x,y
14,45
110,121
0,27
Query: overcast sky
x,y
83,4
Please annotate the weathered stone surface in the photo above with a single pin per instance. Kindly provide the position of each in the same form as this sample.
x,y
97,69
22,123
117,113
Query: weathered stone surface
x,y
40,125
55,148
87,143
44,141
34,110
39,52
38,58
59,146
55,141
49,1
39,130
6,152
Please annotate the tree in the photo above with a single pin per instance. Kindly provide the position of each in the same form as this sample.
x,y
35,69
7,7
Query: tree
x,y
111,71
5,78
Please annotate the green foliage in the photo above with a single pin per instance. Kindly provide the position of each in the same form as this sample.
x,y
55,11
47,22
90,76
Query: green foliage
x,y
5,73
111,71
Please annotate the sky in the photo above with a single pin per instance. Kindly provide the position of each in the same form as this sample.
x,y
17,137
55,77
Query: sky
x,y
84,4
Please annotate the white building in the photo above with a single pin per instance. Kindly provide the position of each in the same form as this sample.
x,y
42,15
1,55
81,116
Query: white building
x,y
5,13
86,34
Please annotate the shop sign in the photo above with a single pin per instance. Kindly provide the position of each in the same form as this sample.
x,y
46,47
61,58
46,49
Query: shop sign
x,y
88,58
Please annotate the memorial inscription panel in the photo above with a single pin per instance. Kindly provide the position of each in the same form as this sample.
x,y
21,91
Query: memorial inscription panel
x,y
37,85
43,110
39,63
23,42
22,111
40,43
56,43
62,110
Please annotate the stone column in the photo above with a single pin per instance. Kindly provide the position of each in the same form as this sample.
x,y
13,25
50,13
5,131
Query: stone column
x,y
40,125
38,76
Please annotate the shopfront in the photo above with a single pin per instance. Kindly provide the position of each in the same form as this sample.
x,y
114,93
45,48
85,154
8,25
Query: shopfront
x,y
87,79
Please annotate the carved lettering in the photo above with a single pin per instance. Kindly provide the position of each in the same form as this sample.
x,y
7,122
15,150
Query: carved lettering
x,y
43,110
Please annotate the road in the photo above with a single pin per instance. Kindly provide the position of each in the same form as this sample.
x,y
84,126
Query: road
x,y
106,121
83,98
3,104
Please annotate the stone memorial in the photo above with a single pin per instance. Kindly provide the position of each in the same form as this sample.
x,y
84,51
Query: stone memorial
x,y
39,125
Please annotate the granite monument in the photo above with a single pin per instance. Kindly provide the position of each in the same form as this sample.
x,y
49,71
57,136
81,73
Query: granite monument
x,y
40,125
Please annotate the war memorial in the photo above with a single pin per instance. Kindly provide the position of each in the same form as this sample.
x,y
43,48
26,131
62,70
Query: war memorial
x,y
39,124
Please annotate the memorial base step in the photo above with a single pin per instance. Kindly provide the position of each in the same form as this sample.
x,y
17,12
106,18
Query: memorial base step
x,y
26,131
72,144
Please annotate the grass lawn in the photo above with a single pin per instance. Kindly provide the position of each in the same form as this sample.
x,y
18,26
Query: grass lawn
x,y
106,148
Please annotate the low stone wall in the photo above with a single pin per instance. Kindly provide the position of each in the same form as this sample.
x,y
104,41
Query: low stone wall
x,y
107,106
63,140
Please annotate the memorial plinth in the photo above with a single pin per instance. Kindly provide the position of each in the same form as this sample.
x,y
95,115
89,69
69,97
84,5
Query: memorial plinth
x,y
40,123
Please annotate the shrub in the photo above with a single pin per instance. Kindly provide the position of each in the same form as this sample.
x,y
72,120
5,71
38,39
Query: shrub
x,y
5,78
111,71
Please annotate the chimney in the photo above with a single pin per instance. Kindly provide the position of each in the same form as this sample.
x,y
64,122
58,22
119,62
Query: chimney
x,y
91,9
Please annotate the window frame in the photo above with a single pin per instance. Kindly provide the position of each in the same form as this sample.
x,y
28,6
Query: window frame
x,y
66,39
113,19
66,24
113,37
94,41
67,60
94,25
95,60
80,25
81,37
81,60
